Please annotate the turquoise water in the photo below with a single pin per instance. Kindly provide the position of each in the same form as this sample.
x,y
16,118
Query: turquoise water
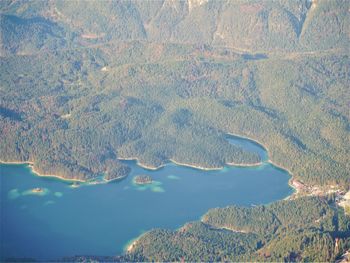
x,y
248,145
101,219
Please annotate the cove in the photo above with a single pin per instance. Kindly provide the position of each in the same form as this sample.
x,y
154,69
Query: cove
x,y
60,221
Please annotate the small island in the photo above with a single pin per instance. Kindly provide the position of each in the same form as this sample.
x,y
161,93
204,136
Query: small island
x,y
75,185
37,190
143,179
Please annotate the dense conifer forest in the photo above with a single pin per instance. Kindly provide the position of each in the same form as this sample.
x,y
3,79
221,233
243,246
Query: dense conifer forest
x,y
85,84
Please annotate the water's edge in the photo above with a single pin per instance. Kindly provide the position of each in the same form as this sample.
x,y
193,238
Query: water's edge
x,y
263,153
229,137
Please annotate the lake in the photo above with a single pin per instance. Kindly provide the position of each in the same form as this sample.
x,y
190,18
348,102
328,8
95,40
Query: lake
x,y
102,219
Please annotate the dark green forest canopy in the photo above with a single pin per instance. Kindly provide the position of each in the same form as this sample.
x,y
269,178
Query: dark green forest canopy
x,y
78,92
75,112
85,83
307,229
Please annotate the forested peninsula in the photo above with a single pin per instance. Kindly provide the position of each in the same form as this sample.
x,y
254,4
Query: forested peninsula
x,y
85,84
75,98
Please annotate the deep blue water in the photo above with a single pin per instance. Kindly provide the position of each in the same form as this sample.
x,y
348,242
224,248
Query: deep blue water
x,y
102,219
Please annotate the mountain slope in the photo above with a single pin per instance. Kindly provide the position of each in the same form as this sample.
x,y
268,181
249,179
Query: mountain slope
x,y
247,26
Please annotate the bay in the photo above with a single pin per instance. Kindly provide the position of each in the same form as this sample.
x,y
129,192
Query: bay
x,y
59,220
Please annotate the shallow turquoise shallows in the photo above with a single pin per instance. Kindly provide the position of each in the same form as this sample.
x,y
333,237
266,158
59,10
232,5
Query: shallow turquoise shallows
x,y
56,220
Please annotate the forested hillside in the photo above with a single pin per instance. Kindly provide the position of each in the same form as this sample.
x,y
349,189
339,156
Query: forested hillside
x,y
87,83
139,89
157,102
245,25
307,229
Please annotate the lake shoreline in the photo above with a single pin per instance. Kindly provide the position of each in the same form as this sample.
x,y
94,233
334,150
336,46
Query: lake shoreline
x,y
16,162
296,189
261,145
36,173
132,245
154,168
